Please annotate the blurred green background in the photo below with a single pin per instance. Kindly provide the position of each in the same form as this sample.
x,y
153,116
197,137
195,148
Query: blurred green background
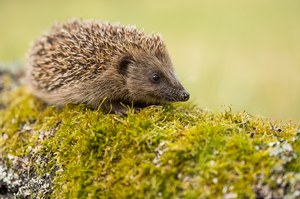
x,y
243,54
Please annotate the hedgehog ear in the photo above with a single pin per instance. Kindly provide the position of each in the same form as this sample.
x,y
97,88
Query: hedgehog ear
x,y
123,64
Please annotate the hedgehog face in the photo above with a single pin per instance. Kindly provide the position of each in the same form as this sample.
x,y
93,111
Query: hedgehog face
x,y
151,80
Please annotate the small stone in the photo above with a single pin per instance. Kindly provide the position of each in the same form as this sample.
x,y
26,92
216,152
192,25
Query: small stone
x,y
225,189
230,196
179,175
5,136
212,163
215,180
26,127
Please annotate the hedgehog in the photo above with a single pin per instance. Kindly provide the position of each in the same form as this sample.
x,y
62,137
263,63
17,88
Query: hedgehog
x,y
103,65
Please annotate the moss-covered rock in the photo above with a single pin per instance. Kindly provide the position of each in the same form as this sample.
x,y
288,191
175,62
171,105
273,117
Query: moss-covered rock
x,y
162,152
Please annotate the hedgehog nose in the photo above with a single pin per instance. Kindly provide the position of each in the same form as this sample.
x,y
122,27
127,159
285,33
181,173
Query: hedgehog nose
x,y
185,96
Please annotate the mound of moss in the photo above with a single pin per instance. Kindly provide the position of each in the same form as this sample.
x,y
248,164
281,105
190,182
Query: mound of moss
x,y
162,152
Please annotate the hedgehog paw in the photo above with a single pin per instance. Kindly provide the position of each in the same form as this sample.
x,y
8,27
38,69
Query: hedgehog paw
x,y
119,108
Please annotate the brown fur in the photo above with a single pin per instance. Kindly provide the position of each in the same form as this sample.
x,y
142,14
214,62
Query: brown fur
x,y
87,61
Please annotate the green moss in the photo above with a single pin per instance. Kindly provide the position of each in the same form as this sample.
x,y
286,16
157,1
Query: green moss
x,y
161,152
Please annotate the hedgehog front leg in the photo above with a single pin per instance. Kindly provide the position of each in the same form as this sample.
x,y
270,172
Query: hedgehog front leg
x,y
116,108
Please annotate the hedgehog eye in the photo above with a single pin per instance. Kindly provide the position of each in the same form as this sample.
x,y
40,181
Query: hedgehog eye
x,y
155,78
123,64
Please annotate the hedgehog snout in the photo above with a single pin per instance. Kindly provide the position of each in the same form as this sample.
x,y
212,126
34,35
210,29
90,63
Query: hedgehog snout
x,y
184,95
181,93
175,94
